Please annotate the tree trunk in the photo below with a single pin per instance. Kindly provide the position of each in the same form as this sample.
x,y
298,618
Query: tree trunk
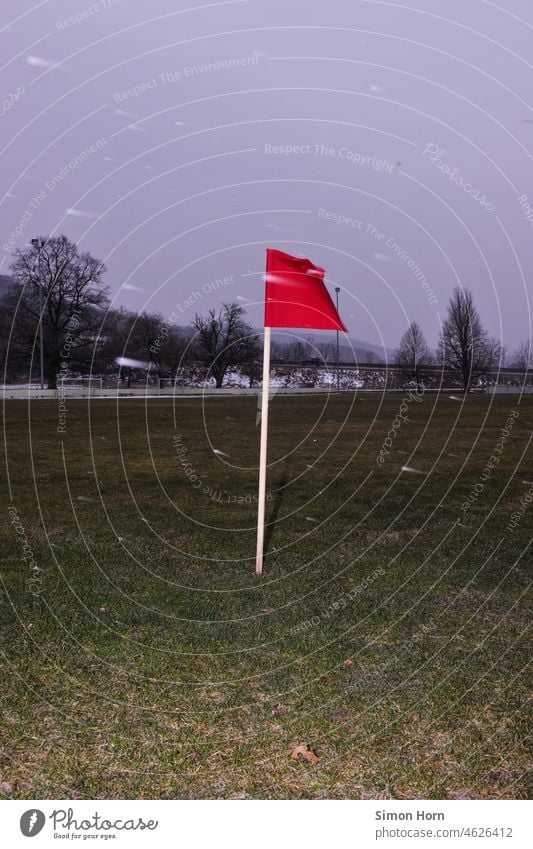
x,y
52,370
219,372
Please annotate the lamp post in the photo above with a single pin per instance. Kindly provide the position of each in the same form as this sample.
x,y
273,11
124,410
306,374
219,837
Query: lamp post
x,y
39,244
337,290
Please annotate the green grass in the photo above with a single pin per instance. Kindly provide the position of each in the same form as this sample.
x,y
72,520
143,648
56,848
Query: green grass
x,y
155,664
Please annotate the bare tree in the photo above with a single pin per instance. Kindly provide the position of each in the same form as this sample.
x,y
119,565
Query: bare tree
x,y
413,354
148,333
297,351
279,351
145,336
116,339
18,332
327,351
522,358
73,297
464,346
504,354
495,353
177,349
225,339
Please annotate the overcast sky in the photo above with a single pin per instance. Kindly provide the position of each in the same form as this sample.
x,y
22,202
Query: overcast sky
x,y
389,142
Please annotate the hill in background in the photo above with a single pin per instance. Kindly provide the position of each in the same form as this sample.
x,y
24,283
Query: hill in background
x,y
354,351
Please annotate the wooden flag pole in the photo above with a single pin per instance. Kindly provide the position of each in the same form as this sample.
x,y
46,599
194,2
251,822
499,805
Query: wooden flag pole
x,y
263,453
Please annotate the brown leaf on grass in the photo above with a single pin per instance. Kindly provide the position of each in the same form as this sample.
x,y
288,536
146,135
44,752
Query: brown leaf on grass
x,y
217,697
6,786
306,752
347,663
25,787
260,697
194,757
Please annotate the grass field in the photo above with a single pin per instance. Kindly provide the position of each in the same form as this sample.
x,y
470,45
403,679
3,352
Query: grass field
x,y
389,631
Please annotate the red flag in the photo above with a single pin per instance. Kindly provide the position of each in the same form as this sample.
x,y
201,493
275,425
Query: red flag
x,y
296,295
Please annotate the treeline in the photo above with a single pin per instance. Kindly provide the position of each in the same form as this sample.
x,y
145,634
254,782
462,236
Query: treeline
x,y
465,348
83,335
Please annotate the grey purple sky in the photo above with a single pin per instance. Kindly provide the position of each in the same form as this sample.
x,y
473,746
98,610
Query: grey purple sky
x,y
177,140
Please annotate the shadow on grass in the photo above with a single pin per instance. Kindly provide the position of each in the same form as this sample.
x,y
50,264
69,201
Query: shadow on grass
x,y
272,518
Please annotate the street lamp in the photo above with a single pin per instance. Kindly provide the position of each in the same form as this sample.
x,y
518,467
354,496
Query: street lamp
x,y
39,244
337,290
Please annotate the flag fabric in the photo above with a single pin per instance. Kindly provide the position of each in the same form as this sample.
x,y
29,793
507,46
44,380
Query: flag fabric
x,y
296,295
